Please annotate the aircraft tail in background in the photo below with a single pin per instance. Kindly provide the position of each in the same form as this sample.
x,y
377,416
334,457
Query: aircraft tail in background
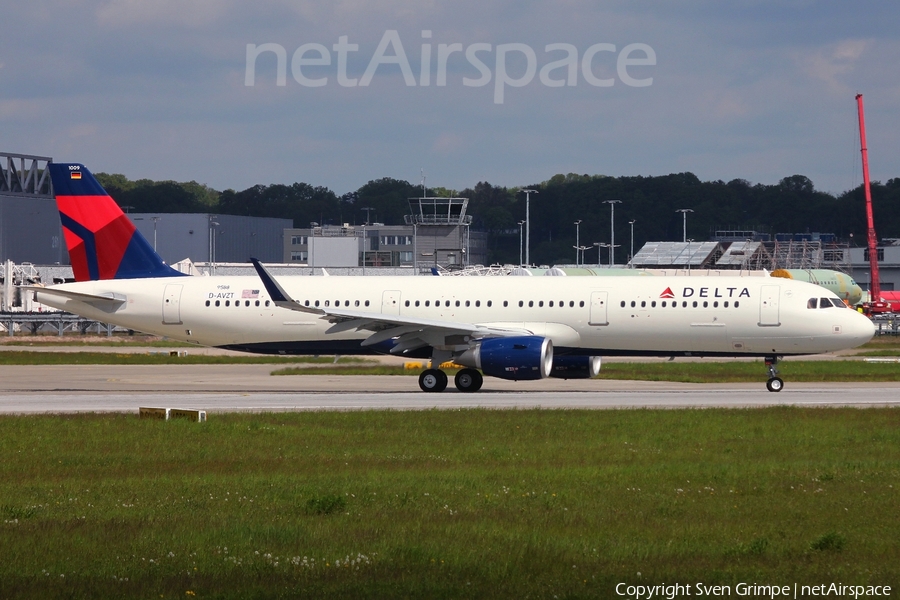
x,y
102,242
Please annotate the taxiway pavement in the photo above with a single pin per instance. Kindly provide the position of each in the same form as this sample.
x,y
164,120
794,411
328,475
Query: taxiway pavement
x,y
227,388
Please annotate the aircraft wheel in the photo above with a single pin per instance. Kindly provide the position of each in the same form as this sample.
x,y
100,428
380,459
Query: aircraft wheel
x,y
468,380
433,380
775,384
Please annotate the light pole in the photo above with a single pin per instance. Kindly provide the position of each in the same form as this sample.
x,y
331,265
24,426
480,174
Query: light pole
x,y
577,239
522,222
155,221
212,242
528,224
684,211
583,248
612,229
631,258
600,246
368,209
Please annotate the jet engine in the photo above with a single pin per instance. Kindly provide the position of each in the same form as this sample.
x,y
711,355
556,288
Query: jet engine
x,y
516,358
575,367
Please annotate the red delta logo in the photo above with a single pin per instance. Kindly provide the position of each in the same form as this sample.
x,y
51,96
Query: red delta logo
x,y
667,294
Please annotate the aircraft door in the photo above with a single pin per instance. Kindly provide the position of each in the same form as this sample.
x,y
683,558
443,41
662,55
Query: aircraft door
x,y
599,302
390,302
172,304
768,306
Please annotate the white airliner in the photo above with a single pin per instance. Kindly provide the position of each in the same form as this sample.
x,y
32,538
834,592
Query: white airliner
x,y
518,328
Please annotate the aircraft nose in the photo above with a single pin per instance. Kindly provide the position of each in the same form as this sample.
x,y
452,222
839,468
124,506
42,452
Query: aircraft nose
x,y
861,328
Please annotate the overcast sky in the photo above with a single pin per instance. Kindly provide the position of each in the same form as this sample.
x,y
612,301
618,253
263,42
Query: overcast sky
x,y
748,89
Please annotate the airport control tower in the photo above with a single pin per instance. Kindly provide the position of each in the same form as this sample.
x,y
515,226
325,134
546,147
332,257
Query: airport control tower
x,y
441,233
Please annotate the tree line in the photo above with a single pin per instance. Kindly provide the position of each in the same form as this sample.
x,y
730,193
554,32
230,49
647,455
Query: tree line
x,y
793,205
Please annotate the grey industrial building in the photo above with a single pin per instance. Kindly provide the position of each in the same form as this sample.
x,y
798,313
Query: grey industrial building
x,y
436,233
212,238
30,230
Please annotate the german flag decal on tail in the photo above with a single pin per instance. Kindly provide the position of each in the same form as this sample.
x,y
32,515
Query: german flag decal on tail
x,y
102,242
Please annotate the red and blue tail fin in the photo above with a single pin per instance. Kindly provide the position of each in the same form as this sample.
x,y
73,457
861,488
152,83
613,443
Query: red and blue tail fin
x,y
102,242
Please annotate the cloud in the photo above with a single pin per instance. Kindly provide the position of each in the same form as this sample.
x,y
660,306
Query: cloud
x,y
834,62
190,13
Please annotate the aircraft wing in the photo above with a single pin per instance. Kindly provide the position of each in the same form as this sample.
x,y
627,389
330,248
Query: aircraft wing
x,y
409,332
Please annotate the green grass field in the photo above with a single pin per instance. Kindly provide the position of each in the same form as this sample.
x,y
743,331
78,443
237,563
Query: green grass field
x,y
446,504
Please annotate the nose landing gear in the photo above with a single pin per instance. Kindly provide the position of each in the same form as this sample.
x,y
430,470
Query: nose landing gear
x,y
775,383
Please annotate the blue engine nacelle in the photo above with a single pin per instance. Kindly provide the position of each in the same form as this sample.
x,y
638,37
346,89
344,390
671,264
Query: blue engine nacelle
x,y
516,358
575,367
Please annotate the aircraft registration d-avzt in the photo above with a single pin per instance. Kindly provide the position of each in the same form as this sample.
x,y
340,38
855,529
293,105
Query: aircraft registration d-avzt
x,y
517,328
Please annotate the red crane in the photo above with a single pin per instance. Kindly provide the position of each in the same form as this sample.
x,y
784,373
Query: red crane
x,y
875,288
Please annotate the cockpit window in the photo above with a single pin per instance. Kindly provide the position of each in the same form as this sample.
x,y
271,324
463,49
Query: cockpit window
x,y
812,303
824,303
838,303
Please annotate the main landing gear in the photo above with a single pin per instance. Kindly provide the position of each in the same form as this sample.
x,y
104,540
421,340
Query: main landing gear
x,y
435,380
775,383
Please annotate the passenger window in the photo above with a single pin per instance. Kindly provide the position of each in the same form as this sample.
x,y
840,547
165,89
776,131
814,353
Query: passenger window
x,y
530,303
257,303
824,303
477,303
417,303
406,303
217,303
663,303
367,302
571,304
541,303
643,304
490,303
447,303
622,304
684,304
228,303
505,303
705,304
356,303
428,303
581,304
653,304
716,304
467,304
726,304
695,304
207,302
551,304
457,302
521,303
347,303
736,303
811,303
327,302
